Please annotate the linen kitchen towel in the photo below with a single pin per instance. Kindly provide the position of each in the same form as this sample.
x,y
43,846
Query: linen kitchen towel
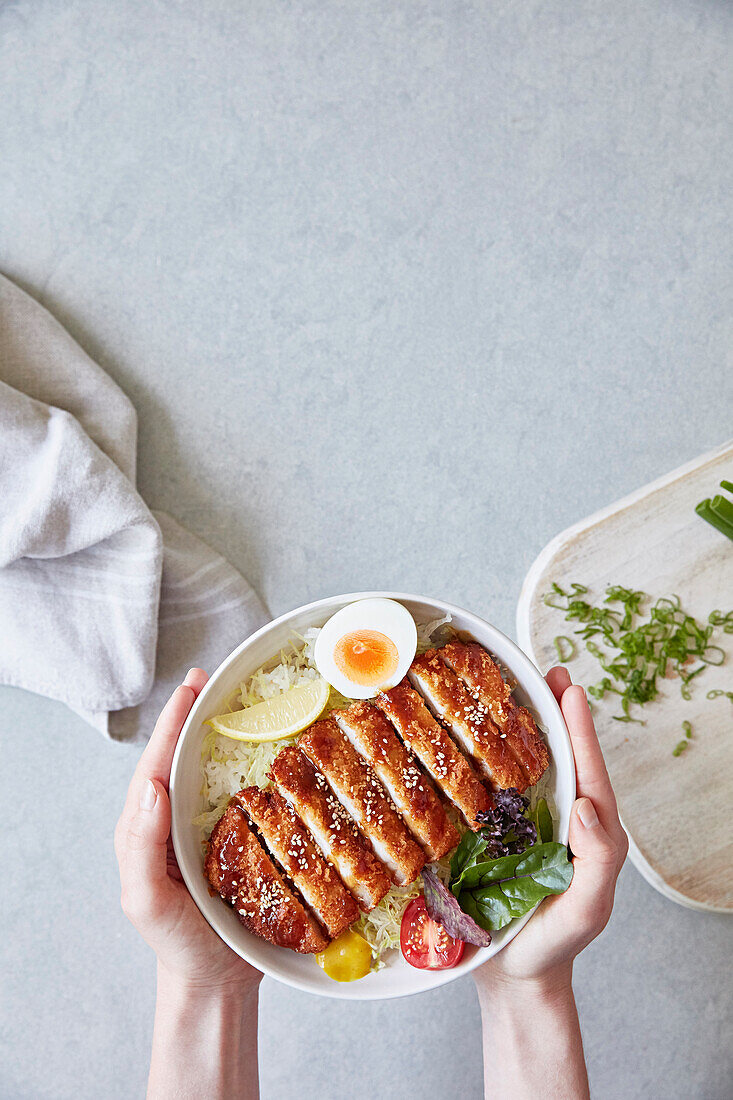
x,y
103,604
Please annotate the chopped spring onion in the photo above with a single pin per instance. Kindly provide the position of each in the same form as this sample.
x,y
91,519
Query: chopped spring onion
x,y
637,648
718,510
682,745
717,618
565,648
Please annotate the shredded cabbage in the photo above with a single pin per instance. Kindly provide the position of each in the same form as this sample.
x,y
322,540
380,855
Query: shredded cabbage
x,y
426,632
229,765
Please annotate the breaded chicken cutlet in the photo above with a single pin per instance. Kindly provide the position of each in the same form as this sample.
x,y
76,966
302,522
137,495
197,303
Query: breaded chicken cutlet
x,y
436,751
480,674
287,838
333,830
409,788
245,876
364,798
468,720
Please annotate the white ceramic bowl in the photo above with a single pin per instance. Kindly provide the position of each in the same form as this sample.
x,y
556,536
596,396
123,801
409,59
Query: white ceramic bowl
x,y
397,978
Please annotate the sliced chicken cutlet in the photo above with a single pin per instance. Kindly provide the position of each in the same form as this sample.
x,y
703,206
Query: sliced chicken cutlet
x,y
333,830
295,850
363,796
435,750
467,719
479,672
412,793
241,871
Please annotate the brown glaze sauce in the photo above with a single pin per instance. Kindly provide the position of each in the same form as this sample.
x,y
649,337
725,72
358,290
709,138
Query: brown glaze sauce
x,y
230,857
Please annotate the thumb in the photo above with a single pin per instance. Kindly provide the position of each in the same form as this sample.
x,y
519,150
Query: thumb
x,y
596,863
143,854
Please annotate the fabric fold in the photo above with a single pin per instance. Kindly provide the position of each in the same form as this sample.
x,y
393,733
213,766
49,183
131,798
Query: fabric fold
x,y
103,605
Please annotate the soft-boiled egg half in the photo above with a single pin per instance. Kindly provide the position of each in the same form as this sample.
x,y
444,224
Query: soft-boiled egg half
x,y
366,647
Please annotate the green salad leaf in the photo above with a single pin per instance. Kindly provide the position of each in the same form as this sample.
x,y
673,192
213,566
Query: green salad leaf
x,y
502,870
496,891
466,856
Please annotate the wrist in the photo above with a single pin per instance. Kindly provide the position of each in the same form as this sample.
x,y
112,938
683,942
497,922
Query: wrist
x,y
553,986
204,1039
531,1035
188,989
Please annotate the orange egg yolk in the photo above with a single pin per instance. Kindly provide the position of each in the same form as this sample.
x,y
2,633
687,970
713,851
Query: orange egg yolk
x,y
366,657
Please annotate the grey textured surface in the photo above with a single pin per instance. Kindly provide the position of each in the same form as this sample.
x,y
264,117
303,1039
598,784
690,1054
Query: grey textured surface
x,y
399,290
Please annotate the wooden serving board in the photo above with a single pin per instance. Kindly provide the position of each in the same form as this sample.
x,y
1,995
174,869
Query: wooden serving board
x,y
678,811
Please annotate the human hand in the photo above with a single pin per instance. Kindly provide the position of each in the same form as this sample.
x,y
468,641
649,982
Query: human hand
x,y
154,896
542,955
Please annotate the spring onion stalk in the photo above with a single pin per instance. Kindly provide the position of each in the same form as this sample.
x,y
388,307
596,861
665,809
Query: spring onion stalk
x,y
718,510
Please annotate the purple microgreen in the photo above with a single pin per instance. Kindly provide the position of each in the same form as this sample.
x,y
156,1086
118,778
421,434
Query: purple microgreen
x,y
443,907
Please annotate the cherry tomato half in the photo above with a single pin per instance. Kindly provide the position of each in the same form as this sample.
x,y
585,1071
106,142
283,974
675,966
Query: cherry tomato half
x,y
424,942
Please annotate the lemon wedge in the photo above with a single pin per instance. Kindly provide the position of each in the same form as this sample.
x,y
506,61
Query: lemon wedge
x,y
275,718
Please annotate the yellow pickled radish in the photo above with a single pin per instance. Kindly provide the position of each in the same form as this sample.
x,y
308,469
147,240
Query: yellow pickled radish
x,y
347,958
281,716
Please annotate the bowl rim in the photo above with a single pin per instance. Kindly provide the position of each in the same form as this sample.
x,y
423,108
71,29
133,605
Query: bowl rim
x,y
434,978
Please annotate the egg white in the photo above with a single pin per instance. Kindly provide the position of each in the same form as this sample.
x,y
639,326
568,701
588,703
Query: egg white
x,y
389,618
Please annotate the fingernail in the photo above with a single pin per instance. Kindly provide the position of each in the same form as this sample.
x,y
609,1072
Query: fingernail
x,y
587,813
189,676
148,795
